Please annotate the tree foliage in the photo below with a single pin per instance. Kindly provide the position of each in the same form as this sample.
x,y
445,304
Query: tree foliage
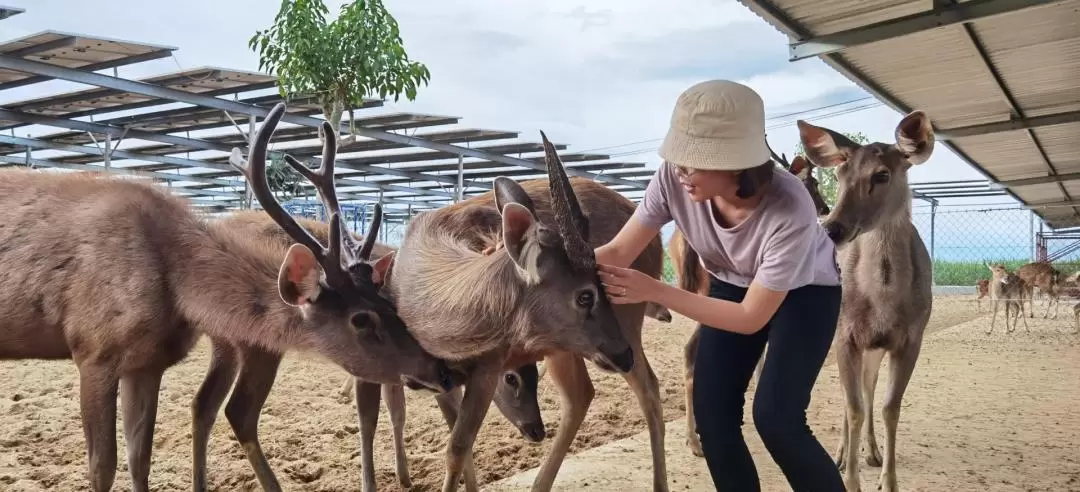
x,y
826,177
341,61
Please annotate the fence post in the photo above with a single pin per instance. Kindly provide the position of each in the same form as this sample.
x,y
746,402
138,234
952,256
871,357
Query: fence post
x,y
933,257
1031,233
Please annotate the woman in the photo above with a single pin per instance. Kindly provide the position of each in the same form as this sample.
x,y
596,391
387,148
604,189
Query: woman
x,y
773,278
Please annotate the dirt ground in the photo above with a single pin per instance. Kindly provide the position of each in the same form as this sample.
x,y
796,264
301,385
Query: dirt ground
x,y
993,412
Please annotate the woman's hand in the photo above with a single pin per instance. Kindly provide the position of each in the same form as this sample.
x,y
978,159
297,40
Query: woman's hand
x,y
628,286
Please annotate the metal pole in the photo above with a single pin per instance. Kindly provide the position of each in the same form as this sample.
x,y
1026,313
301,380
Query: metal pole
x,y
460,192
1031,232
249,198
108,150
933,258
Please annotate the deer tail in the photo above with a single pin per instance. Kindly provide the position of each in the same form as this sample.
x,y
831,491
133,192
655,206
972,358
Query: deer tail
x,y
689,279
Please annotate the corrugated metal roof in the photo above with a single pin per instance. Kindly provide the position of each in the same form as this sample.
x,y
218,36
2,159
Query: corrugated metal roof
x,y
1010,66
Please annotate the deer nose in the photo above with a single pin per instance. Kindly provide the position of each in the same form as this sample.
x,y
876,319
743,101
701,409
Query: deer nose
x,y
835,230
534,432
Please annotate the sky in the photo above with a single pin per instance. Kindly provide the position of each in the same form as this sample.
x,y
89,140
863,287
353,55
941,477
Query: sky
x,y
595,75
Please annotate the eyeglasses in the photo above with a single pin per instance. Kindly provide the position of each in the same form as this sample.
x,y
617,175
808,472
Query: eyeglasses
x,y
683,171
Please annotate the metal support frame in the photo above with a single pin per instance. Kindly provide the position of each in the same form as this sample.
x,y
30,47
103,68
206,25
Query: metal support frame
x,y
125,172
937,17
91,78
6,11
1007,126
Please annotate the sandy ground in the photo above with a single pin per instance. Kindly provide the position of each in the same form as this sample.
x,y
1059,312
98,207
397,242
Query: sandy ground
x,y
983,412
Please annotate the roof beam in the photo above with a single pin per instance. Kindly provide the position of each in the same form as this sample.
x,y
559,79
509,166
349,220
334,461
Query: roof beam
x,y
6,11
1059,178
116,131
85,149
131,60
115,83
1008,126
123,172
910,24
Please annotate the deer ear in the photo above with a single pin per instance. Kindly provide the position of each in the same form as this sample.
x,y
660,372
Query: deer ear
x,y
915,137
517,221
798,166
298,278
381,268
824,147
509,191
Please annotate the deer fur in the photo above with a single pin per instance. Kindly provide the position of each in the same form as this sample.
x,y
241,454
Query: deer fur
x,y
1076,316
122,278
692,277
1047,279
1007,286
527,302
886,277
252,366
982,289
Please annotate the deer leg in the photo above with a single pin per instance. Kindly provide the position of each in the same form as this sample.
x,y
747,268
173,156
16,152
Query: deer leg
x,y
479,392
257,372
993,318
139,397
871,366
204,408
841,446
849,361
571,377
346,389
1030,291
97,402
1009,314
1025,320
689,354
394,394
449,405
646,387
367,410
901,366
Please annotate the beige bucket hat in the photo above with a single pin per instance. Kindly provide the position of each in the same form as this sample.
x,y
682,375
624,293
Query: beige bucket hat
x,y
717,125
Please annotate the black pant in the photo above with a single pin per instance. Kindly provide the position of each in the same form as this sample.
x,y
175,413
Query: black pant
x,y
799,336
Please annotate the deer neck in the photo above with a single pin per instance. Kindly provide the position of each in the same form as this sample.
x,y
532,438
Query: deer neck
x,y
457,302
225,285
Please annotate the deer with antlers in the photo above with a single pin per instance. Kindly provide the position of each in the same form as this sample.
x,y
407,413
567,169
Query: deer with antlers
x,y
126,277
886,277
538,298
315,283
693,277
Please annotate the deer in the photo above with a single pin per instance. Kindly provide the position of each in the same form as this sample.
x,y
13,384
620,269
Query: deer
x,y
885,276
484,312
334,284
1047,279
982,289
692,277
1076,316
1007,286
515,396
127,278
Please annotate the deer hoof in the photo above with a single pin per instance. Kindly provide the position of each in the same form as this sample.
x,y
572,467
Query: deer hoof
x,y
695,447
873,457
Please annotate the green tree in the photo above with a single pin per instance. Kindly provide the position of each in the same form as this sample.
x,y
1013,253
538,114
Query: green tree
x,y
826,177
339,62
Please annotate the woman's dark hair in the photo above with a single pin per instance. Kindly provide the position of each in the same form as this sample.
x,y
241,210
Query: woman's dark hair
x,y
752,180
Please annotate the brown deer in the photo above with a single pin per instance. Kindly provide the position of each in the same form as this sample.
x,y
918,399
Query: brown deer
x,y
886,276
1047,279
982,289
693,277
346,279
125,277
1007,286
538,298
1076,316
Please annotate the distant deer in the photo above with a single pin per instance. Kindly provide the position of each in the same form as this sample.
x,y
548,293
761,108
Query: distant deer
x,y
982,289
886,279
122,277
693,277
1043,275
540,297
1007,286
346,279
1076,316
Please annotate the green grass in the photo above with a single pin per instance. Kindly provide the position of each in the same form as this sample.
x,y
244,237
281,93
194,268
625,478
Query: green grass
x,y
945,272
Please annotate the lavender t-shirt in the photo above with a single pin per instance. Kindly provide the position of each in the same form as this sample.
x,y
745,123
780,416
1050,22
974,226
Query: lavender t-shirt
x,y
780,244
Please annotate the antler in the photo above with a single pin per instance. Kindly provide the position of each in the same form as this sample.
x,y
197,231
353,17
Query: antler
x,y
324,181
782,159
254,169
572,223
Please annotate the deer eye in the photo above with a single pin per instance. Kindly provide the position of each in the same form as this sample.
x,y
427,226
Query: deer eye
x,y
880,177
362,321
585,299
511,379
